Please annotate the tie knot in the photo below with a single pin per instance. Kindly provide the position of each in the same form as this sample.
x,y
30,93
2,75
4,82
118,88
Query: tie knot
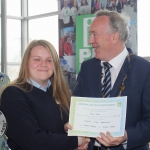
x,y
107,65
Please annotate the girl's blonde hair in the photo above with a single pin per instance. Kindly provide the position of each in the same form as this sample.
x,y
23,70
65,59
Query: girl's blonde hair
x,y
61,91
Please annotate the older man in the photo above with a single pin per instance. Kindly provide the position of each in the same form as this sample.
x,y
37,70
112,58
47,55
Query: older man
x,y
129,75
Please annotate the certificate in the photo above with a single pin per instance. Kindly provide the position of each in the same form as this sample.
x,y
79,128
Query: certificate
x,y
90,116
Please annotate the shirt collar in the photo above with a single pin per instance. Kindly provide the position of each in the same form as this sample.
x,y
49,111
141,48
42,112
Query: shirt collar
x,y
38,85
116,61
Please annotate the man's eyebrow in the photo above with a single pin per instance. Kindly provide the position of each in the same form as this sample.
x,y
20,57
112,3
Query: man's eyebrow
x,y
92,32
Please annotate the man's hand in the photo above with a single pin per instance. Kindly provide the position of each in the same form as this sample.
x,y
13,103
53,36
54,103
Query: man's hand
x,y
107,140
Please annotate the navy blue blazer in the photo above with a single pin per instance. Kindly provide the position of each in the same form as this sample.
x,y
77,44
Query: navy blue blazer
x,y
137,90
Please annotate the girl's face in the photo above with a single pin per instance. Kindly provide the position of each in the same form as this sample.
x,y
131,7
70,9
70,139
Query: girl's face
x,y
83,2
68,40
65,3
40,65
75,3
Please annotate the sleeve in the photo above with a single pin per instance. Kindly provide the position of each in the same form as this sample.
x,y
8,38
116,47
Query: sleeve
x,y
139,134
23,129
79,83
69,10
72,11
80,10
88,9
61,14
70,49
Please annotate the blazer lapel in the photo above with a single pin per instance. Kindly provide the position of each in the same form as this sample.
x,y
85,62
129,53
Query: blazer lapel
x,y
116,88
97,74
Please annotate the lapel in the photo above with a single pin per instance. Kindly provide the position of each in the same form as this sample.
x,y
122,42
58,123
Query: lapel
x,y
124,69
97,72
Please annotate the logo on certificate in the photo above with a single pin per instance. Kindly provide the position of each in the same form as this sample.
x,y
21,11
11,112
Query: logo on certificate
x,y
3,124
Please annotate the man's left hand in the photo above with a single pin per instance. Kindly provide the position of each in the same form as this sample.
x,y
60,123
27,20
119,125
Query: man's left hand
x,y
107,140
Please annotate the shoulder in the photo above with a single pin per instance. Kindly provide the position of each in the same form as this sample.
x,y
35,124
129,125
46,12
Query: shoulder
x,y
11,91
11,88
68,8
141,64
91,61
82,6
91,65
10,95
14,95
140,60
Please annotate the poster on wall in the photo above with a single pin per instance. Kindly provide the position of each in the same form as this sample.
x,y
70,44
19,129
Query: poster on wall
x,y
75,18
68,11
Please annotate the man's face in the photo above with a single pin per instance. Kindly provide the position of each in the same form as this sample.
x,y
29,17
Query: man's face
x,y
100,38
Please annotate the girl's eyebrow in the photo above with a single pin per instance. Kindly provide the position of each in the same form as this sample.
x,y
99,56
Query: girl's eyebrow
x,y
40,56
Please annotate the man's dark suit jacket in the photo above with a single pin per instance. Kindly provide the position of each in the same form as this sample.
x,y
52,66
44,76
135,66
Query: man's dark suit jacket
x,y
137,90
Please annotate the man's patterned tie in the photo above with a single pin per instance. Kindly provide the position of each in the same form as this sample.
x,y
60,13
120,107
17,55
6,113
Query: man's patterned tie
x,y
106,88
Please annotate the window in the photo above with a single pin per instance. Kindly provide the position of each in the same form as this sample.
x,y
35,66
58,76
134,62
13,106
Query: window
x,y
143,28
13,47
14,8
13,40
40,28
36,7
44,28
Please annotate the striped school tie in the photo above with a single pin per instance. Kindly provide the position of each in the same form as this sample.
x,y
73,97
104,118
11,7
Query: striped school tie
x,y
106,88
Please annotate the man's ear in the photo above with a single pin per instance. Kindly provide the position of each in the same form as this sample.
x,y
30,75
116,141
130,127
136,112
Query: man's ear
x,y
115,37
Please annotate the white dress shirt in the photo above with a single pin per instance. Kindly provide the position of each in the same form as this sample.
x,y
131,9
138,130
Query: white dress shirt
x,y
116,63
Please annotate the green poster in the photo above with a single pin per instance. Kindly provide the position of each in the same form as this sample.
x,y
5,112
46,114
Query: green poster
x,y
84,50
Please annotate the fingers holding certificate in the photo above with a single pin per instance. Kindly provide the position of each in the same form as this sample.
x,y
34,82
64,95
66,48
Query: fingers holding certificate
x,y
108,140
90,116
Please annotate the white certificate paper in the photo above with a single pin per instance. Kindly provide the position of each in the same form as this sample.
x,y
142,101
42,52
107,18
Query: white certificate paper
x,y
90,116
